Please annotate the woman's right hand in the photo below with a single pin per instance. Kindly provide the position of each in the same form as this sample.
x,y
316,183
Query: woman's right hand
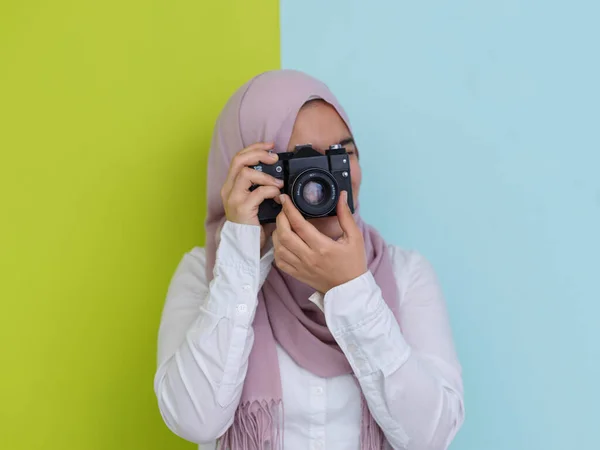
x,y
241,204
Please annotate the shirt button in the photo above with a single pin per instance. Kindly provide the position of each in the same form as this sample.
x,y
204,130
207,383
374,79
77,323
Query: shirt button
x,y
318,445
246,288
352,348
242,309
319,390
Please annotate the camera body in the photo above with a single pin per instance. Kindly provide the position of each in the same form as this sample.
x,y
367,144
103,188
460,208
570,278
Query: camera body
x,y
312,180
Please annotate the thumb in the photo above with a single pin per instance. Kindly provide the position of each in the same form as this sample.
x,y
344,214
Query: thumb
x,y
345,218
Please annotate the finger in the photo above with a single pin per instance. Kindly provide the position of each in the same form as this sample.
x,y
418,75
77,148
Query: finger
x,y
258,146
345,218
249,177
262,193
286,267
282,253
249,203
289,238
302,227
250,156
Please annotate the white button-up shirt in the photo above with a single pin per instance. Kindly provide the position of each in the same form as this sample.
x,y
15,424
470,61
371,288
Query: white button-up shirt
x,y
408,372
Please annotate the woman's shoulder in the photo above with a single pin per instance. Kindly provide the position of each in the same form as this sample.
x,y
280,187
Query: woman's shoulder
x,y
402,258
197,253
410,266
191,268
194,258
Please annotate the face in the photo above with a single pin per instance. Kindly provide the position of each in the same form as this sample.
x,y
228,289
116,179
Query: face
x,y
319,124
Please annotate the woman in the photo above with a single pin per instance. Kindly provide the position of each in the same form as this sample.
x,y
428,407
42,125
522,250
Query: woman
x,y
305,334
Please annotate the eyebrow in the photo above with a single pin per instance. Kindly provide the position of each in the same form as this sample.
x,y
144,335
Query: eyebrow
x,y
347,141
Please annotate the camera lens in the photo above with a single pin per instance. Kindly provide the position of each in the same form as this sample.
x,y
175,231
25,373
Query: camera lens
x,y
315,192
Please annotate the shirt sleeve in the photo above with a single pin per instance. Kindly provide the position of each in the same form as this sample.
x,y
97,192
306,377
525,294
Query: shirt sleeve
x,y
206,335
408,371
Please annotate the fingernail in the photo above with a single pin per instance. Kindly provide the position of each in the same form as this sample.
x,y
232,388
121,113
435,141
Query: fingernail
x,y
282,198
279,182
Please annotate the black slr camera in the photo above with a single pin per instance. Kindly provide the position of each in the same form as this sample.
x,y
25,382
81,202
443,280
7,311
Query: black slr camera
x,y
312,180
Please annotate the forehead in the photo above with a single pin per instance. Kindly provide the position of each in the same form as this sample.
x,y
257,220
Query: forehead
x,y
319,124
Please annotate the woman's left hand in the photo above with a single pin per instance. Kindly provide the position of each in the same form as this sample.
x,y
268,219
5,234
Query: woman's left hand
x,y
313,258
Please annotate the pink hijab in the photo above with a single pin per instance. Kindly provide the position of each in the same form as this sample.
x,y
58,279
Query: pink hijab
x,y
264,110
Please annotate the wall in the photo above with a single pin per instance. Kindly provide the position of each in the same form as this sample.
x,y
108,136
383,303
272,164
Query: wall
x,y
482,120
107,110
